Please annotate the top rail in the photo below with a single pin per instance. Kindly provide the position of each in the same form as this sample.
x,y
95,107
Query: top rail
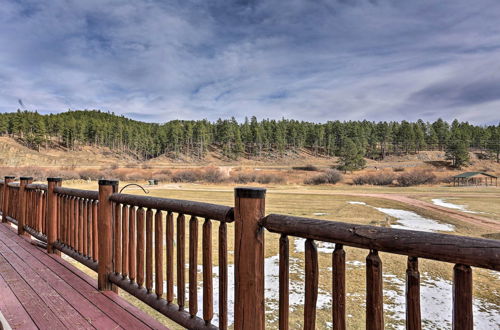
x,y
80,193
199,209
477,252
35,186
13,184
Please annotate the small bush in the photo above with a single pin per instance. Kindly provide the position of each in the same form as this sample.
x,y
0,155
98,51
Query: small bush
x,y
113,166
213,175
308,167
376,179
244,178
146,166
63,174
266,178
186,176
398,169
35,172
137,176
91,174
416,177
330,176
163,177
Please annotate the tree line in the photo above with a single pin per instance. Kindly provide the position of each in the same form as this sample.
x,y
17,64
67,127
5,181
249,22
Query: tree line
x,y
251,138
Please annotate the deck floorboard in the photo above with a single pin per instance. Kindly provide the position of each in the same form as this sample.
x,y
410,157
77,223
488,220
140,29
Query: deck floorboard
x,y
44,291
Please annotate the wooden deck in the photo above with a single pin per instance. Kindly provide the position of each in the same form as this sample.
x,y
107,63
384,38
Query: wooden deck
x,y
42,291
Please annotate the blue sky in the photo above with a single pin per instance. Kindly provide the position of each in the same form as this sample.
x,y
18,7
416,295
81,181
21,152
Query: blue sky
x,y
312,60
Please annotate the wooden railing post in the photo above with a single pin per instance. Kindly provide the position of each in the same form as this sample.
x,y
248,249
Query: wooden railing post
x,y
52,210
23,181
6,196
105,228
249,258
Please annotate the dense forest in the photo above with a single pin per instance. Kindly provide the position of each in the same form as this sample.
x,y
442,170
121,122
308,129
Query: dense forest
x,y
252,138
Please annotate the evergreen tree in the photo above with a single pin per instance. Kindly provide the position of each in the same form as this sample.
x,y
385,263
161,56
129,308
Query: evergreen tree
x,y
351,157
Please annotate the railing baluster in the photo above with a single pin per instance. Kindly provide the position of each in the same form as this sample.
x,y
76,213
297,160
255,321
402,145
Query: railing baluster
x,y
71,219
181,261
170,256
149,250
413,321
208,308
284,272
193,266
80,227
159,254
223,276
125,238
374,294
311,285
95,232
85,227
88,220
140,246
338,288
117,226
462,298
132,252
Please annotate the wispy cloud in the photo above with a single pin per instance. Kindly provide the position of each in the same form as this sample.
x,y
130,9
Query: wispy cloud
x,y
309,60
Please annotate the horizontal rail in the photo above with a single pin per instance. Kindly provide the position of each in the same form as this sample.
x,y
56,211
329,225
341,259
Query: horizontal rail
x,y
171,311
75,255
86,194
39,186
39,236
13,184
10,219
476,252
198,209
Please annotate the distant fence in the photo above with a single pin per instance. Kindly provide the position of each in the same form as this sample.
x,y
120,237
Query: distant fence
x,y
123,238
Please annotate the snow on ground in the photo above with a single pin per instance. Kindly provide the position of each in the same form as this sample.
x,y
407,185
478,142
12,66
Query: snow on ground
x,y
356,203
436,296
410,220
443,203
325,247
413,221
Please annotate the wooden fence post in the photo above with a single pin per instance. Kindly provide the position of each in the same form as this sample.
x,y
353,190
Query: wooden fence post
x,y
6,196
23,181
249,259
52,215
105,227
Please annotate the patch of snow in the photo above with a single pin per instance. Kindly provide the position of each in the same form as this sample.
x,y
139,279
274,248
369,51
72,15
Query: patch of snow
x,y
436,297
356,203
324,247
413,221
443,203
355,263
320,213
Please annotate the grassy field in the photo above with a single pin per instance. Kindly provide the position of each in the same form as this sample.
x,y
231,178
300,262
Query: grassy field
x,y
335,203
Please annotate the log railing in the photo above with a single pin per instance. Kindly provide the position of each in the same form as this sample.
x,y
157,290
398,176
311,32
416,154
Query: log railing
x,y
149,247
76,224
140,240
464,252
34,209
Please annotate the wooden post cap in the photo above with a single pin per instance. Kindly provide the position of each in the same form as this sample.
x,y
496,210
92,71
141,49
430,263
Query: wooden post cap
x,y
10,177
54,179
250,192
108,182
26,178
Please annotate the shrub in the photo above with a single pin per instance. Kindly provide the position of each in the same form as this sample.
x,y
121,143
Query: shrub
x,y
416,177
186,176
35,172
244,178
137,176
162,177
398,169
308,167
63,174
377,179
113,166
91,174
213,175
266,178
330,176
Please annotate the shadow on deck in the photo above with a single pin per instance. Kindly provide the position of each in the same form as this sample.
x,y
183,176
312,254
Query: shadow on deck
x,y
42,291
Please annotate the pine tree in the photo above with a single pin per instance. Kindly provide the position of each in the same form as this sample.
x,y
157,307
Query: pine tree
x,y
351,157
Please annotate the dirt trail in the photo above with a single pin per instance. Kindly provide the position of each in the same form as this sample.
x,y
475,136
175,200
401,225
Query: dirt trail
x,y
473,219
